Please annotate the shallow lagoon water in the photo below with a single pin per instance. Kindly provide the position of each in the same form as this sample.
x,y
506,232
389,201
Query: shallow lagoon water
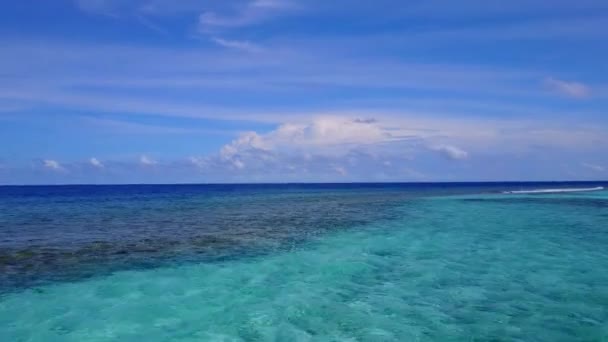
x,y
431,268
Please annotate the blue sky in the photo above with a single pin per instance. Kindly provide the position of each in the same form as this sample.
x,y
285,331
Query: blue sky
x,y
161,91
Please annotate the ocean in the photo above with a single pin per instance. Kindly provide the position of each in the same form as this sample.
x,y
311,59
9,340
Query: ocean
x,y
304,262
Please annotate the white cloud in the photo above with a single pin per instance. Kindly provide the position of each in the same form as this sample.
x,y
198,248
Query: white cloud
x,y
318,142
147,161
594,167
367,146
247,140
567,88
324,144
298,146
238,164
249,144
237,44
198,161
52,165
451,152
335,136
251,13
286,72
96,163
324,131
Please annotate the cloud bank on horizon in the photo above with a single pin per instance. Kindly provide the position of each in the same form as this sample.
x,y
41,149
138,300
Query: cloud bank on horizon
x,y
159,91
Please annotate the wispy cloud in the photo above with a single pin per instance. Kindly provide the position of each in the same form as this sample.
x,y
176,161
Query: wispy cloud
x,y
251,13
237,44
273,78
151,25
130,127
594,167
568,88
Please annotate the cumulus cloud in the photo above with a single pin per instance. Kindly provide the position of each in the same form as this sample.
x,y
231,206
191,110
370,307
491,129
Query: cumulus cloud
x,y
451,152
52,165
325,132
318,143
96,163
248,145
147,161
239,164
364,147
567,88
324,145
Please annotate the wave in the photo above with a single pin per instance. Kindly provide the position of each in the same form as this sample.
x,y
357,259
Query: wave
x,y
553,191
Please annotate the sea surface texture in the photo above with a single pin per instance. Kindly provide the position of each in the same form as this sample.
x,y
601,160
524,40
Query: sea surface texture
x,y
357,262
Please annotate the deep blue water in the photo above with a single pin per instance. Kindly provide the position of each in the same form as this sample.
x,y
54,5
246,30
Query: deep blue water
x,y
377,262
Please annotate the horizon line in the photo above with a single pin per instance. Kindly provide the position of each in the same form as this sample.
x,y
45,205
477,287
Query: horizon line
x,y
313,183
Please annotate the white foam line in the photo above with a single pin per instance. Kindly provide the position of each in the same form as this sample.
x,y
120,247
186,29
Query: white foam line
x,y
552,191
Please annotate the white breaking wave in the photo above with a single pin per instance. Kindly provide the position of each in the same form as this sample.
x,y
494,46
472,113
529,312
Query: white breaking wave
x,y
552,191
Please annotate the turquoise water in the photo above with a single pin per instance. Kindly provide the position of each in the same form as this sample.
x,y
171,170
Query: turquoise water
x,y
472,267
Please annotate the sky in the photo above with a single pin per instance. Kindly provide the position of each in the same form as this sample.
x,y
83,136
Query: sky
x,y
248,91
